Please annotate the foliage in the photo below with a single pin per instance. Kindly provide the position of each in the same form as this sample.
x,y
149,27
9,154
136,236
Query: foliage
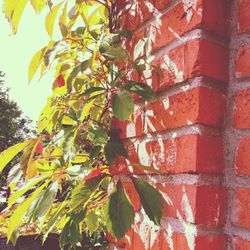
x,y
71,166
14,127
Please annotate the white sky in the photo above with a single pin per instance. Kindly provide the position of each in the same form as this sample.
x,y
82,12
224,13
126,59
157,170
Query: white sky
x,y
15,55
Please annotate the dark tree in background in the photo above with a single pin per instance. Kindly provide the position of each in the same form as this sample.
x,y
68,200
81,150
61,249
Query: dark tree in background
x,y
14,126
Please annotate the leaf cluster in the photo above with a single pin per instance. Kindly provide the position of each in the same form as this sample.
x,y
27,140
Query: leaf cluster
x,y
73,185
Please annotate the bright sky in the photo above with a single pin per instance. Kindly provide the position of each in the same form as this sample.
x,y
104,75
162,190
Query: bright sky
x,y
15,55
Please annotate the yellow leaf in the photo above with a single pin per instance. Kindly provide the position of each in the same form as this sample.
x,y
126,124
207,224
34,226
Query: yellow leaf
x,y
17,13
26,187
26,156
50,19
38,5
9,6
63,21
57,152
31,171
86,109
68,121
31,168
17,217
80,159
7,155
36,61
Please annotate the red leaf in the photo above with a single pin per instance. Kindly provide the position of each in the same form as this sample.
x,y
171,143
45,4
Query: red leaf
x,y
116,171
94,173
60,82
39,148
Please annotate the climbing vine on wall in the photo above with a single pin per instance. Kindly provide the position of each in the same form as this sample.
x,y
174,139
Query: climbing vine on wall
x,y
72,182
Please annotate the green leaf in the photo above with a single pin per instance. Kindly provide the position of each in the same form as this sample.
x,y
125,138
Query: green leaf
x,y
98,135
64,236
104,46
151,200
71,232
74,234
36,61
26,187
53,219
126,33
139,88
79,68
120,212
50,19
46,201
116,53
7,155
94,152
122,105
92,90
114,148
14,176
18,215
82,193
110,153
92,221
69,150
38,5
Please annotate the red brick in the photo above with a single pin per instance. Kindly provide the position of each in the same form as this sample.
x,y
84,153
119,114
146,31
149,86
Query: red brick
x,y
186,154
178,241
188,15
211,204
204,205
136,15
242,109
195,58
209,155
240,244
243,62
243,157
195,106
216,16
212,107
214,60
160,239
161,4
121,4
146,236
241,207
213,242
175,196
131,43
142,234
244,16
174,23
124,243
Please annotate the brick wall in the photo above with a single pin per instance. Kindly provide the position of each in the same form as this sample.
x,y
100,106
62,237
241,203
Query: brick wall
x,y
237,129
196,131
